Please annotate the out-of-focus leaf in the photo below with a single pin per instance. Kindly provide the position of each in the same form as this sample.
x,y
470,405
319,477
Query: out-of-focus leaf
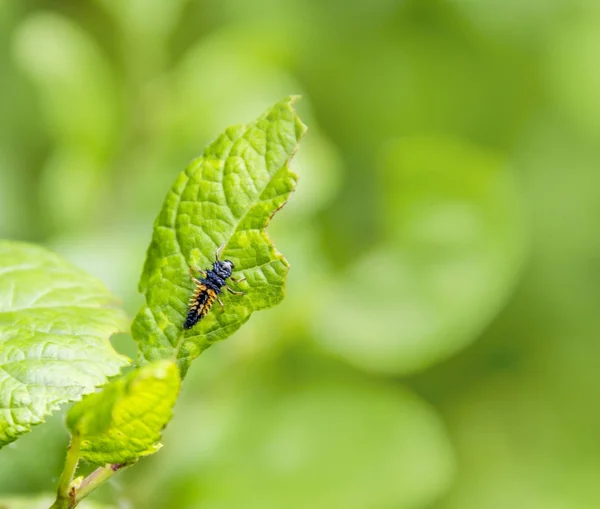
x,y
329,443
456,241
124,421
566,246
514,19
14,214
43,502
74,80
146,19
542,355
55,321
16,474
573,76
78,204
77,92
226,197
198,89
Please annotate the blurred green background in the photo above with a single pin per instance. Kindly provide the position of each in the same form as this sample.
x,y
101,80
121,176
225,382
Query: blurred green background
x,y
438,347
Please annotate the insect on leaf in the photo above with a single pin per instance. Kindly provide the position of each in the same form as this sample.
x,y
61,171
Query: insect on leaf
x,y
225,197
55,324
124,421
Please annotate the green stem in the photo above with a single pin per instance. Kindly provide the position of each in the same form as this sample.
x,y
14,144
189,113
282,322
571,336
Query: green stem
x,y
64,498
96,479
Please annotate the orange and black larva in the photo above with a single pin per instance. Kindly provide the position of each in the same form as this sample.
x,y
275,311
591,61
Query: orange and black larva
x,y
208,289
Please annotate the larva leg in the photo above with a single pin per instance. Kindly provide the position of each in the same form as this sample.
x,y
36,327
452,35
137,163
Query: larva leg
x,y
219,251
196,269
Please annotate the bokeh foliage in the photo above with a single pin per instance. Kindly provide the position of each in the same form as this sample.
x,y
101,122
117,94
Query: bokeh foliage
x,y
436,348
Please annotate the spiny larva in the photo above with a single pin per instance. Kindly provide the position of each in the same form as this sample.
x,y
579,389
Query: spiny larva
x,y
208,289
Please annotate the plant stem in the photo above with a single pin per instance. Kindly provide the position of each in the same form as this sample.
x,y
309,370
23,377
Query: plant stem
x,y
64,499
69,495
96,479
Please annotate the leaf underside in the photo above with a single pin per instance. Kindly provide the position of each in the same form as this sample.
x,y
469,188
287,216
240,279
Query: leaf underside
x,y
55,325
124,421
226,197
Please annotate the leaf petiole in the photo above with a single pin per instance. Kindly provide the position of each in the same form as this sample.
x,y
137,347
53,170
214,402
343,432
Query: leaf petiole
x,y
65,496
97,478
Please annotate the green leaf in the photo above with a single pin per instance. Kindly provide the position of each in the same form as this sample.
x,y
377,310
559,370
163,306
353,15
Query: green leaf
x,y
55,321
227,196
43,502
124,421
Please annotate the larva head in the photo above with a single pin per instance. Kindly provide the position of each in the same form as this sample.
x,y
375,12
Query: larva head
x,y
223,268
